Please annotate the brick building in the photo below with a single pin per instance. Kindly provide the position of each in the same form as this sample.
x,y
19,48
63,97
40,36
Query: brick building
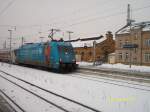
x,y
103,46
139,36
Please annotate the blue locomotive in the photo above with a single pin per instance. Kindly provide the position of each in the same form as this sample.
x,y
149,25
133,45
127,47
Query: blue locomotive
x,y
54,55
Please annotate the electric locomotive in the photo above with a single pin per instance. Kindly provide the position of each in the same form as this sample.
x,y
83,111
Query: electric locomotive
x,y
54,55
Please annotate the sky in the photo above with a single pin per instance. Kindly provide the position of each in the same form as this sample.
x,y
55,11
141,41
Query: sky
x,y
85,18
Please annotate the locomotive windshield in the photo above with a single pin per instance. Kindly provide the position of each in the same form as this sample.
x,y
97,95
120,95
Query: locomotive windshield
x,y
66,49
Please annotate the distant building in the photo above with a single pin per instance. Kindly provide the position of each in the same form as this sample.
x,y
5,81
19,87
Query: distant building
x,y
103,46
111,58
133,45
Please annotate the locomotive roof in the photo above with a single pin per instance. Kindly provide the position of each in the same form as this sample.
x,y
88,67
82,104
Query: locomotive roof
x,y
31,45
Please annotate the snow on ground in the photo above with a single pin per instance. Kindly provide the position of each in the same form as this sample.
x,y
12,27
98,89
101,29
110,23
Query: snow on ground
x,y
28,102
102,96
119,66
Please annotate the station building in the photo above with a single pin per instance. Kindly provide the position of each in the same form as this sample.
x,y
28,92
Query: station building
x,y
85,50
137,38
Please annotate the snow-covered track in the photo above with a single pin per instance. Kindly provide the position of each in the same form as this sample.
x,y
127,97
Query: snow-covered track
x,y
117,76
35,94
48,91
128,73
14,103
111,81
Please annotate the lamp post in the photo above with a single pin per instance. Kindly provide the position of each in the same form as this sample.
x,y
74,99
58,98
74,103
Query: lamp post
x,y
94,52
10,31
69,32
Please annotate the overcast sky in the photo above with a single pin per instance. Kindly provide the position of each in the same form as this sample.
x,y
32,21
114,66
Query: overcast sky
x,y
86,18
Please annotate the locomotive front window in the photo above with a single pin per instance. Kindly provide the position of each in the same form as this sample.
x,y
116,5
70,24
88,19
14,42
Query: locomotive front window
x,y
65,49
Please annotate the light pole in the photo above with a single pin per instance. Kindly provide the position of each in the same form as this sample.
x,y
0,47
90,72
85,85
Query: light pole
x,y
4,45
69,32
94,52
10,31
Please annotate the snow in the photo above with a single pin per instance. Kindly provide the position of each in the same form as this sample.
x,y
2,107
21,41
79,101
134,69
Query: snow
x,y
145,25
87,43
119,66
103,96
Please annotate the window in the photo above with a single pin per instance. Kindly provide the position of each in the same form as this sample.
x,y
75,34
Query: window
x,y
147,42
90,53
147,57
65,49
120,56
126,42
82,53
135,50
127,56
120,44
135,36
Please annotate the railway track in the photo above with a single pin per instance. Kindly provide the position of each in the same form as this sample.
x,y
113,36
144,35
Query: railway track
x,y
97,78
13,102
78,104
117,71
141,79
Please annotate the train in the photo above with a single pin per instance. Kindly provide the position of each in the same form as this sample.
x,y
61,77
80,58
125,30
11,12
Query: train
x,y
54,55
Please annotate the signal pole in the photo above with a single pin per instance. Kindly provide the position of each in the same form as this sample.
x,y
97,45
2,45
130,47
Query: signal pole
x,y
69,32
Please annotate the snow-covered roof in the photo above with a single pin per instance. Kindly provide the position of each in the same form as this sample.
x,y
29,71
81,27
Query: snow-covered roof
x,y
144,25
88,43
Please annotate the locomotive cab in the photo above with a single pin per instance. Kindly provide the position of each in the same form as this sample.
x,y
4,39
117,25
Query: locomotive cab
x,y
66,56
62,56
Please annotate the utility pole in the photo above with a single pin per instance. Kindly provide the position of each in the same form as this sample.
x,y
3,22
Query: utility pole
x,y
22,41
10,31
69,32
94,52
129,22
128,15
4,46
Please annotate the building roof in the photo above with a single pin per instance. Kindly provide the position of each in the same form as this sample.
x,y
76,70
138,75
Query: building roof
x,y
144,25
88,42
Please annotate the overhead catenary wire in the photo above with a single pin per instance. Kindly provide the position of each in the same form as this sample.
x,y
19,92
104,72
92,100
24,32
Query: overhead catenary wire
x,y
7,6
90,19
107,16
103,17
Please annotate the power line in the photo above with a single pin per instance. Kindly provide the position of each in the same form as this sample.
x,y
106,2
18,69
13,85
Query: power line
x,y
7,6
80,10
103,17
98,18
